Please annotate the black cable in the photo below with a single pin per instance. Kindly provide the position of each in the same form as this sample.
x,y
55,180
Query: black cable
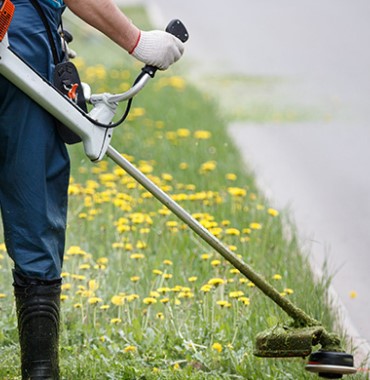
x,y
123,117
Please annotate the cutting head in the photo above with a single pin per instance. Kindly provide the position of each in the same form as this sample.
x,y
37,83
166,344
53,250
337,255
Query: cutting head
x,y
331,365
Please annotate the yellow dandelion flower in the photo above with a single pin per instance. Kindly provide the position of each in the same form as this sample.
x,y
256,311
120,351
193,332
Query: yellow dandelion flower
x,y
118,300
172,224
277,277
186,294
141,244
149,300
165,300
255,226
132,297
159,315
224,304
94,300
237,191
208,166
244,300
217,347
116,245
93,285
66,286
167,177
192,278
176,366
216,231
353,294
77,305
135,278
202,135
164,211
231,177
206,256
157,272
272,212
115,321
76,250
177,82
236,294
234,271
232,231
2,295
206,288
128,247
167,262
183,132
215,263
85,293
288,291
64,297
104,307
216,281
130,349
102,261
137,256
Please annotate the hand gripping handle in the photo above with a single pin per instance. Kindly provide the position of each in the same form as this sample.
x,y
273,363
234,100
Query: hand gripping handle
x,y
177,28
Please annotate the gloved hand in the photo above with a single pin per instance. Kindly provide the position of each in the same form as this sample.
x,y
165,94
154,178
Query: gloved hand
x,y
158,48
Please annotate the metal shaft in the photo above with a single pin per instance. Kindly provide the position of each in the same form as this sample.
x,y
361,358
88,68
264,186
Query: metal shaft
x,y
293,311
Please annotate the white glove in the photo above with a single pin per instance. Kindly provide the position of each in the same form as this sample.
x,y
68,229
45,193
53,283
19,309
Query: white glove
x,y
158,48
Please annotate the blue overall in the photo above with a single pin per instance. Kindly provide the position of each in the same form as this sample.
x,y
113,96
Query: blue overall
x,y
34,163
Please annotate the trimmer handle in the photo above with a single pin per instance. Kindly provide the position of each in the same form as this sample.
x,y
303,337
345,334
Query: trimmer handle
x,y
177,28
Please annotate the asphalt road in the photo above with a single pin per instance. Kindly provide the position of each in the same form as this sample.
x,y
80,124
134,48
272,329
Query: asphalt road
x,y
318,169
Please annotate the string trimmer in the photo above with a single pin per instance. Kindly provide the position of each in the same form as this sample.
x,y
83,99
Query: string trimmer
x,y
95,130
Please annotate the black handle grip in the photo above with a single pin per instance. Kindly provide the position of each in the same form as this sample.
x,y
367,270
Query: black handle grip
x,y
177,28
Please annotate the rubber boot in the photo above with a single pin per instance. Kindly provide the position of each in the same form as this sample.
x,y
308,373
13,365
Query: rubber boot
x,y
38,304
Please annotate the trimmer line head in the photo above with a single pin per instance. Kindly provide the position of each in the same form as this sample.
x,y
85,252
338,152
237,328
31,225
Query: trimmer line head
x,y
331,365
287,342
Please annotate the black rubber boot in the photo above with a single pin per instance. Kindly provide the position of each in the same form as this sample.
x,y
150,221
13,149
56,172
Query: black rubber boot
x,y
38,304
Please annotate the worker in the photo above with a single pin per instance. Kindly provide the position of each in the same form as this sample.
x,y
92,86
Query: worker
x,y
34,167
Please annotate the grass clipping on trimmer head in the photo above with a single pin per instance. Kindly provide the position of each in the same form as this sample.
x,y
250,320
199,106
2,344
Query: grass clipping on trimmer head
x,y
288,342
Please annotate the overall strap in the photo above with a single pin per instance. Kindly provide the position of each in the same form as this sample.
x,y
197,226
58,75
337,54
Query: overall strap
x,y
41,13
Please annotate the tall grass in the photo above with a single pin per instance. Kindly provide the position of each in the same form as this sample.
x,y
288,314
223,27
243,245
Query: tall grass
x,y
143,297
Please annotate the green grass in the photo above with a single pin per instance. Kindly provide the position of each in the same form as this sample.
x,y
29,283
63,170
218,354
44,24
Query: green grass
x,y
135,304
